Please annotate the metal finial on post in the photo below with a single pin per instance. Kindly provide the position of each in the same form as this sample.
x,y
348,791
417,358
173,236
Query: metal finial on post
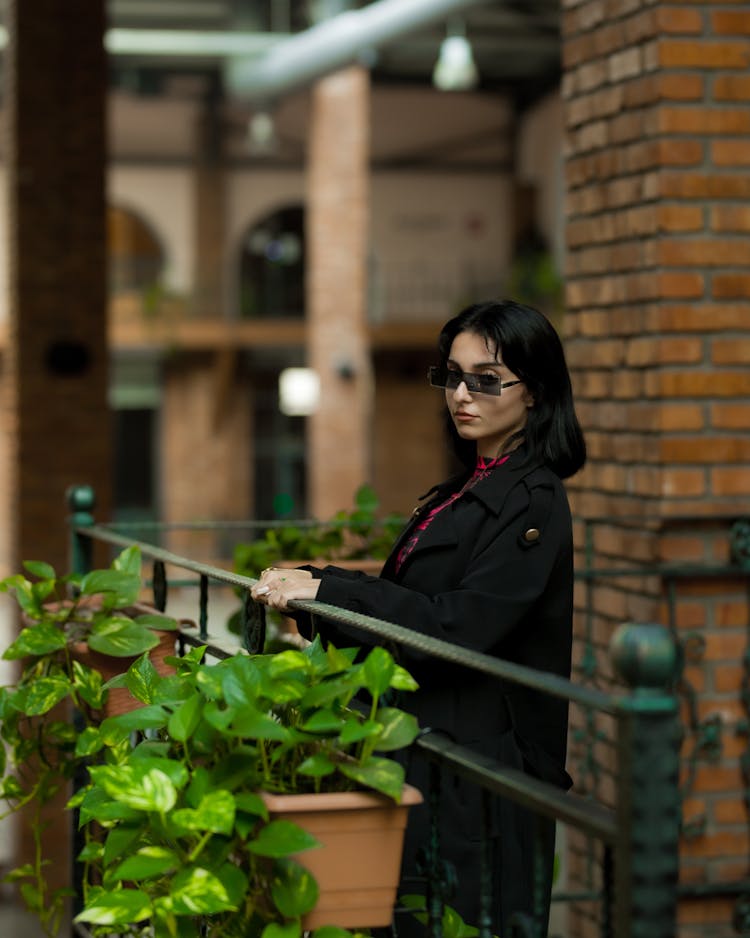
x,y
644,656
81,502
648,798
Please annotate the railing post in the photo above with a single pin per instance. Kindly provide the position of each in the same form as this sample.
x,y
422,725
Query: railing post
x,y
648,798
81,502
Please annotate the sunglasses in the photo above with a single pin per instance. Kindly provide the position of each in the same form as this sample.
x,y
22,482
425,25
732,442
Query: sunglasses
x,y
442,377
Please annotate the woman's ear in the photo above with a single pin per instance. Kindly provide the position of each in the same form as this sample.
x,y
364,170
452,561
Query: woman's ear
x,y
528,398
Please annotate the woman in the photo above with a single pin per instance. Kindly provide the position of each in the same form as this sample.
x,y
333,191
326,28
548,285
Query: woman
x,y
487,563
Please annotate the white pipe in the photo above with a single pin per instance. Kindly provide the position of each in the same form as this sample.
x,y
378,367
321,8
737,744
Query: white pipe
x,y
332,44
188,42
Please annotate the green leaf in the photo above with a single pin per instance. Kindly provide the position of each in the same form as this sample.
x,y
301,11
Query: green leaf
x,y
40,639
240,681
97,805
377,671
325,722
139,787
286,662
251,803
123,588
280,839
215,813
147,863
382,775
92,851
340,659
257,725
88,684
198,891
402,680
176,771
293,889
287,930
142,678
114,729
118,907
41,569
158,621
337,690
209,678
119,839
129,561
121,637
366,499
453,925
88,742
41,696
356,729
184,721
316,766
399,729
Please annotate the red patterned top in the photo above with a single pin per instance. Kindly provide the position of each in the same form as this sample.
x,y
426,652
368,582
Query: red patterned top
x,y
481,471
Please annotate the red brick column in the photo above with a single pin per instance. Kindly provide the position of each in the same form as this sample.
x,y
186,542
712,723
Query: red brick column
x,y
54,393
337,233
55,373
657,117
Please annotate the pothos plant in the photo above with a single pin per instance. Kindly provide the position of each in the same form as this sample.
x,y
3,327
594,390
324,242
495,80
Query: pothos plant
x,y
177,833
41,751
348,535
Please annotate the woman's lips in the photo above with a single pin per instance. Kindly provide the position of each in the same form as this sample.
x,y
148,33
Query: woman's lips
x,y
462,417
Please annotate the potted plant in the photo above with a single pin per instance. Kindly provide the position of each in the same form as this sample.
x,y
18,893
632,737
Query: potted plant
x,y
73,627
188,829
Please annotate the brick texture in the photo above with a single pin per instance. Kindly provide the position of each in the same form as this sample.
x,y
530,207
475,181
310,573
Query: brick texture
x,y
54,375
339,441
658,338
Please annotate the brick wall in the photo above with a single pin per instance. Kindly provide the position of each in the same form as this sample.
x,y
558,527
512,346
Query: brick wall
x,y
658,334
204,451
54,374
56,362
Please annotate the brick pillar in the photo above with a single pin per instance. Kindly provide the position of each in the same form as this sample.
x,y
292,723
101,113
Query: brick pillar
x,y
56,370
657,119
210,208
54,394
206,421
339,442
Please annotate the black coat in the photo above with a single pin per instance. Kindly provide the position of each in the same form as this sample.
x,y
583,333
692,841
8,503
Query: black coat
x,y
492,572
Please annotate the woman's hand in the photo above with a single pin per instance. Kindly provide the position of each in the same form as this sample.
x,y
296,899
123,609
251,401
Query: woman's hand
x,y
277,587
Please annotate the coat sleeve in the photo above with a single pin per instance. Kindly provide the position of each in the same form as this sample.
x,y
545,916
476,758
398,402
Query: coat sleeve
x,y
500,584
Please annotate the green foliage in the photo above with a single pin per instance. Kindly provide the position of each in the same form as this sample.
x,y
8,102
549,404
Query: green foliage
x,y
43,752
187,841
452,923
349,535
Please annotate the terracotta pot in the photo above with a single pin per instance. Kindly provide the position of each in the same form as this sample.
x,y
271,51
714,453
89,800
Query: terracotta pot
x,y
357,868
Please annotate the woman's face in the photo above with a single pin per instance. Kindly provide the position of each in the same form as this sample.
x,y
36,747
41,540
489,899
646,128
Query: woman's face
x,y
487,419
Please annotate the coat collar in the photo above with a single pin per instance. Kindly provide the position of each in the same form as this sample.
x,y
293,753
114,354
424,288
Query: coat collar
x,y
493,489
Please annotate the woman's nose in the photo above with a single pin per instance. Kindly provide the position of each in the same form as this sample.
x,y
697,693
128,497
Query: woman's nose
x,y
461,392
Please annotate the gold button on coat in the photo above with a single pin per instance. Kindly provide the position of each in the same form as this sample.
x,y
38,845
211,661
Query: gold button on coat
x,y
532,535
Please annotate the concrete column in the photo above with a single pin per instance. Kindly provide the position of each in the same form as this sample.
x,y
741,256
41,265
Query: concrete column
x,y
340,432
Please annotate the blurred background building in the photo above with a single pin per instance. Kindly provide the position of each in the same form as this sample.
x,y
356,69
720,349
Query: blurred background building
x,y
200,194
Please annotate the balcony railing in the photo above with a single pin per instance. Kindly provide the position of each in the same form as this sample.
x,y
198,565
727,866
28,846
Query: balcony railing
x,y
637,830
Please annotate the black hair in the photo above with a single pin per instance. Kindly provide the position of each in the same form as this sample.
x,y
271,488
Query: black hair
x,y
532,350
